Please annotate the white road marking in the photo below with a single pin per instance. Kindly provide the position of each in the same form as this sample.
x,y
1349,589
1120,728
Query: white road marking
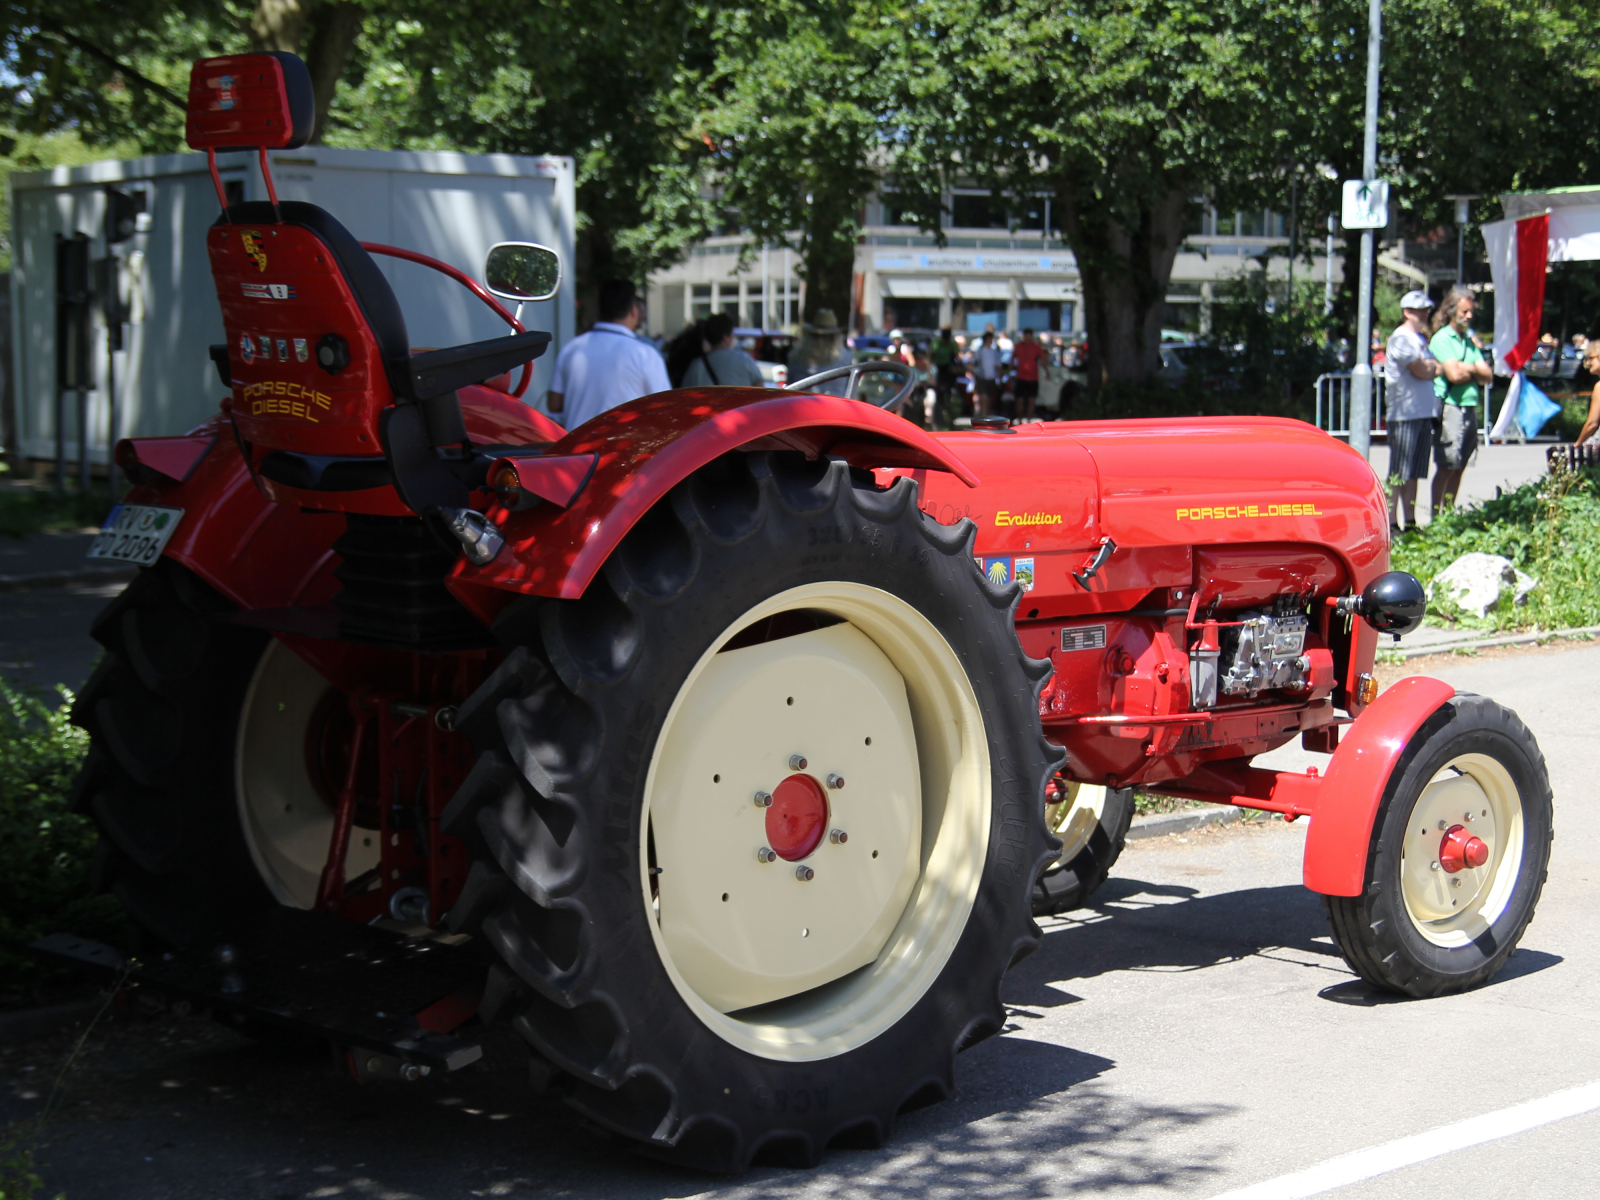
x,y
1392,1156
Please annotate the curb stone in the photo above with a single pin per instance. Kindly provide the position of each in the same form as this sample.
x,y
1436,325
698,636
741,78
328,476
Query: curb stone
x,y
1180,822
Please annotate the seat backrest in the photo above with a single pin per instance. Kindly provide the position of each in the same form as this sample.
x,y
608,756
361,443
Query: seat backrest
x,y
317,343
314,330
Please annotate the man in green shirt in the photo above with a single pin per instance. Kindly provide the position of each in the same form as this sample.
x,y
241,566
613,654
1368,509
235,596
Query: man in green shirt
x,y
1463,386
945,356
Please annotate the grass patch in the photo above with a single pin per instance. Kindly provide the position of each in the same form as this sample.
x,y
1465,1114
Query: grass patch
x,y
45,848
30,510
1145,805
1549,528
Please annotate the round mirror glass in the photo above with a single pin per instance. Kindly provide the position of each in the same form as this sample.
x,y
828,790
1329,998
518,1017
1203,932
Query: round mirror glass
x,y
522,271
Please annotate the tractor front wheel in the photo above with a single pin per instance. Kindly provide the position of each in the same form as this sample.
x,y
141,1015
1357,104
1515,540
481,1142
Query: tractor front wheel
x,y
757,818
1092,822
1458,855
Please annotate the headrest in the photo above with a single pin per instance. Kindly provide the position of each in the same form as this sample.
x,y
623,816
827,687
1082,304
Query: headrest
x,y
242,101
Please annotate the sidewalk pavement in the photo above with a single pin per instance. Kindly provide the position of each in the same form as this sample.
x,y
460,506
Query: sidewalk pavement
x,y
53,560
1493,467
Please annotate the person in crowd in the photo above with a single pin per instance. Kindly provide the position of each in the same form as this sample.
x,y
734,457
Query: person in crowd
x,y
919,406
610,364
1026,359
899,349
721,363
820,347
1463,385
1589,435
986,367
945,355
1410,368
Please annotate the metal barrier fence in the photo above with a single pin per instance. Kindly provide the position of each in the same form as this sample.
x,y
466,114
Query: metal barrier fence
x,y
1333,403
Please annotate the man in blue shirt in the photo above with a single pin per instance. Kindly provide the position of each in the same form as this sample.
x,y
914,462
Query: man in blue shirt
x,y
610,364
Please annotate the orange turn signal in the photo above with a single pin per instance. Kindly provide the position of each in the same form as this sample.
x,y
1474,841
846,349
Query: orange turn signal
x,y
505,480
1366,690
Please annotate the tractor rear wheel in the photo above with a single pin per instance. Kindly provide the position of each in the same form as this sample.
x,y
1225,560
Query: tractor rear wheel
x,y
756,820
1092,823
1458,855
162,711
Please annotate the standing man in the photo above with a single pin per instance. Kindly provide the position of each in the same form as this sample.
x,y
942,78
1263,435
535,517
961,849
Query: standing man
x,y
986,362
610,364
1409,368
1025,359
1464,376
945,356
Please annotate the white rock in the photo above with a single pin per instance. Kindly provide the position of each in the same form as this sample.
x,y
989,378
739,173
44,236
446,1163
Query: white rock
x,y
1475,583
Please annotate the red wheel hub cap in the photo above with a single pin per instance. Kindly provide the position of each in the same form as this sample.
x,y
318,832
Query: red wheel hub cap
x,y
797,818
1460,849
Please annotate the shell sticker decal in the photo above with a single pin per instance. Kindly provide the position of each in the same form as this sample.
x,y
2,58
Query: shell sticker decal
x,y
997,571
254,247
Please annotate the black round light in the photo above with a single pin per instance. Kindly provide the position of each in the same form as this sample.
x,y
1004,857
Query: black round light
x,y
333,353
1394,603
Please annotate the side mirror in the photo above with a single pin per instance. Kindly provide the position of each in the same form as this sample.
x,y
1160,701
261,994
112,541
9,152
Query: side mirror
x,y
522,271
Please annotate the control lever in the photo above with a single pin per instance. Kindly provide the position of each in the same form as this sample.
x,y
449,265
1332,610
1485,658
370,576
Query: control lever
x,y
1101,557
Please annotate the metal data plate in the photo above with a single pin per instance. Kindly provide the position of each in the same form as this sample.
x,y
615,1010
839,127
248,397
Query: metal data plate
x,y
1084,637
136,533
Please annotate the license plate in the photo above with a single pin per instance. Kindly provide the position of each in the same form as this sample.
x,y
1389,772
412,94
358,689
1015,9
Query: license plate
x,y
135,533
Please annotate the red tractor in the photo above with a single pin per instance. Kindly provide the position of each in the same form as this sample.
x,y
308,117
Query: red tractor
x,y
727,746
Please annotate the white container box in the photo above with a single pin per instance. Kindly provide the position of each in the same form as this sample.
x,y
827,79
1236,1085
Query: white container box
x,y
450,206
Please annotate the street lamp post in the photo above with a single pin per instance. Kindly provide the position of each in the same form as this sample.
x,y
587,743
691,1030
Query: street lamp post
x,y
1463,215
1361,375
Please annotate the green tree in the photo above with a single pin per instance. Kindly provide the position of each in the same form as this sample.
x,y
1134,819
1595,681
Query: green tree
x,y
798,105
600,80
1127,113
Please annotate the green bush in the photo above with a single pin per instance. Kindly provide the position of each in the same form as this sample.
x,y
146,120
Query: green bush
x,y
45,848
40,510
1549,528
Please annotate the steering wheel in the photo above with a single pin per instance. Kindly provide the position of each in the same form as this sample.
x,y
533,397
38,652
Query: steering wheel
x,y
855,371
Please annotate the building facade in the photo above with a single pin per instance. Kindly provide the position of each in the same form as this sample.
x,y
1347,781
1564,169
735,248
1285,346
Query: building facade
x,y
985,273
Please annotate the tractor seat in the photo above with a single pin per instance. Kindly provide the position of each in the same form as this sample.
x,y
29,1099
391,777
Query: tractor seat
x,y
371,288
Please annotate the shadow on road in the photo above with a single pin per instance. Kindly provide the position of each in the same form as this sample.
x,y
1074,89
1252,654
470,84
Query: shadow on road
x,y
1133,925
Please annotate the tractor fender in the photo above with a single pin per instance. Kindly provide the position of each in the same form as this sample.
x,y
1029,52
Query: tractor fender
x,y
643,449
1348,795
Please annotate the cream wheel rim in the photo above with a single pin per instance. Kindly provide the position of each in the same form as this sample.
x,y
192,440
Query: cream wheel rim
x,y
1075,817
805,957
1453,909
287,824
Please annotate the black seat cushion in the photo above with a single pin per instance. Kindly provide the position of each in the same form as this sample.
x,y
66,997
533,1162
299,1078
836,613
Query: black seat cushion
x,y
372,290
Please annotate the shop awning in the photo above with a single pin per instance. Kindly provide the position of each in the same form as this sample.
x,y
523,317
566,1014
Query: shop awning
x,y
914,287
1049,291
983,289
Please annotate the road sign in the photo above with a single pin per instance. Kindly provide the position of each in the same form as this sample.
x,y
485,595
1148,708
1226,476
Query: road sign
x,y
1366,204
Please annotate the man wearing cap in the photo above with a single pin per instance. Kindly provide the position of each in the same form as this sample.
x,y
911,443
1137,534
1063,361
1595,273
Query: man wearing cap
x,y
1464,376
1410,369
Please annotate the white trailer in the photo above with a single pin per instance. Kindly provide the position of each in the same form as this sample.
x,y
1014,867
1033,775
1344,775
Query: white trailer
x,y
450,206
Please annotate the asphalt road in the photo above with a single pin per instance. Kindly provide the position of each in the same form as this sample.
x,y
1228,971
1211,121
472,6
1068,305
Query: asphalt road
x,y
1191,1033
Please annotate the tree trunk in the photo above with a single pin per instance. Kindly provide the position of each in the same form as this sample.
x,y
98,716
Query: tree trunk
x,y
829,250
323,33
595,261
1124,269
333,29
278,24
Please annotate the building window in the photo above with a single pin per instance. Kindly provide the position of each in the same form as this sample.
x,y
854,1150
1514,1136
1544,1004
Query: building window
x,y
981,211
700,304
893,212
728,300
